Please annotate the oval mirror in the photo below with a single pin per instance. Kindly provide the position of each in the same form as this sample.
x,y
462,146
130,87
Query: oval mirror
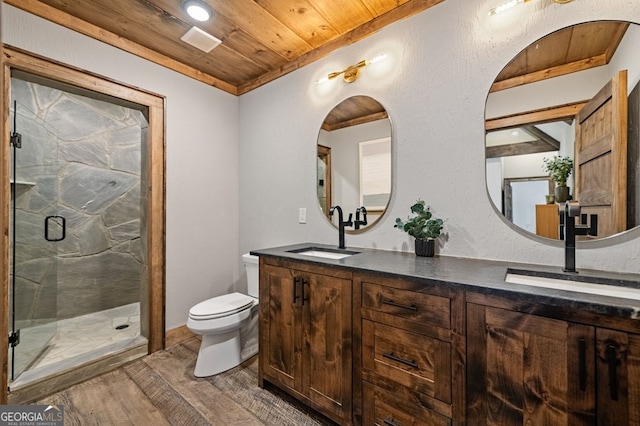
x,y
354,162
573,94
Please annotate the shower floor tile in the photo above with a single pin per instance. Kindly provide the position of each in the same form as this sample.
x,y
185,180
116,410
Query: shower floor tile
x,y
80,339
86,333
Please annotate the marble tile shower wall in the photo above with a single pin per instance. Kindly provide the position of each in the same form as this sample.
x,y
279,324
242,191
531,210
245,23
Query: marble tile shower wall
x,y
84,158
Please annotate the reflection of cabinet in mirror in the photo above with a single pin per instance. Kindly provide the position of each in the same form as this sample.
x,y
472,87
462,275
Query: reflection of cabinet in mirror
x,y
547,221
324,178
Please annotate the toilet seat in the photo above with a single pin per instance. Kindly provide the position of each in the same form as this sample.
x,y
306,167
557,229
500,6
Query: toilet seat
x,y
221,306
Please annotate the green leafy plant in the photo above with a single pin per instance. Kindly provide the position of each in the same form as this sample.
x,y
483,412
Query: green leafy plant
x,y
559,168
422,226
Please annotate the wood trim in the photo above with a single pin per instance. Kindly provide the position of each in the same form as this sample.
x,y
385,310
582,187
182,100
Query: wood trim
x,y
581,65
178,335
71,22
154,163
537,116
403,11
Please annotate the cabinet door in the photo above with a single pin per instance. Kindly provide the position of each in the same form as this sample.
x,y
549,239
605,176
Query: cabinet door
x,y
280,326
327,336
528,370
618,359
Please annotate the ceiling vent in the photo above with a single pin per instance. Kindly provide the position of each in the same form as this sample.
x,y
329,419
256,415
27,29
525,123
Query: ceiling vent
x,y
200,39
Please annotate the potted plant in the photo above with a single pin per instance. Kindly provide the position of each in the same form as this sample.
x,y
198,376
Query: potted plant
x,y
423,227
559,168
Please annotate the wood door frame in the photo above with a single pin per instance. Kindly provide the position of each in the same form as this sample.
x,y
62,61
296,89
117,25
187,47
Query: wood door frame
x,y
153,158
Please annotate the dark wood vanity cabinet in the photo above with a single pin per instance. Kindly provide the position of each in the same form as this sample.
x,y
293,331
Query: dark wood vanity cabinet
x,y
524,368
373,348
408,365
305,334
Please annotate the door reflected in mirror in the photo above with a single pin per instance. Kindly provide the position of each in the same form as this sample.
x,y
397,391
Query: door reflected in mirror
x,y
573,93
354,166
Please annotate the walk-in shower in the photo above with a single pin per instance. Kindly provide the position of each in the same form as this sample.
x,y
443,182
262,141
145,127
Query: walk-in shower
x,y
77,259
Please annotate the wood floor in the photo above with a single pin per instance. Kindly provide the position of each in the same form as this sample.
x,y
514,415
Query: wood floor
x,y
160,389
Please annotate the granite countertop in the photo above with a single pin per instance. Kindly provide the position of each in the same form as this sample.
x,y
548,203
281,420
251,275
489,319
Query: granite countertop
x,y
485,276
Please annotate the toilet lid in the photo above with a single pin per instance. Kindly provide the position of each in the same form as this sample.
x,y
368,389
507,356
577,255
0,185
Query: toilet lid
x,y
221,306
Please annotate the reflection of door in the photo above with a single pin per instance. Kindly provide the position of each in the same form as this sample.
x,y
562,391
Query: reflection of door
x,y
521,195
324,178
601,156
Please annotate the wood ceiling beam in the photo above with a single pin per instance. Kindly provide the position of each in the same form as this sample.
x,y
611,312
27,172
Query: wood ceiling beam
x,y
554,144
545,115
520,148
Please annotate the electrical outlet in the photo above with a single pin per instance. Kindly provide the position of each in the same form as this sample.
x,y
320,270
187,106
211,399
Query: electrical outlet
x,y
302,215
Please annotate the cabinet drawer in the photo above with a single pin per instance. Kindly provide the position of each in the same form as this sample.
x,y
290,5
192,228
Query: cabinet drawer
x,y
416,361
385,408
415,306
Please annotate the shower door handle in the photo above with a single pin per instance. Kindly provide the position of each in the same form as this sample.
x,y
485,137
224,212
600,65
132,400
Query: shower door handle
x,y
62,223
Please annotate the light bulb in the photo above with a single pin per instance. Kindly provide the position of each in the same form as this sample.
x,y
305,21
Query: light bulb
x,y
197,10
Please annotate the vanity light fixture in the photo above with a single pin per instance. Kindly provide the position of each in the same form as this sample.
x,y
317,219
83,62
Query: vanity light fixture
x,y
351,73
197,9
512,3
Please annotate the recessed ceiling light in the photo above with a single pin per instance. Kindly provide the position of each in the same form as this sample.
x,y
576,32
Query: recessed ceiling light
x,y
197,9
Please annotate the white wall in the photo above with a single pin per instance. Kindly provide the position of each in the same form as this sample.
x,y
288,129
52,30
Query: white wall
x,y
202,158
440,67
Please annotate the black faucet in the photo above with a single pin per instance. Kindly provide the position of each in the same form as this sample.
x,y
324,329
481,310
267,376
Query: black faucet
x,y
569,230
359,222
341,224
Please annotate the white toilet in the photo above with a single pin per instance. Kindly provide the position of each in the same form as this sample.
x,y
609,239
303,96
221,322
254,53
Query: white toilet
x,y
228,325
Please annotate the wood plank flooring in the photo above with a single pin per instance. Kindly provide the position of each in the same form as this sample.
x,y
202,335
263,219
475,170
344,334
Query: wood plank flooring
x,y
160,389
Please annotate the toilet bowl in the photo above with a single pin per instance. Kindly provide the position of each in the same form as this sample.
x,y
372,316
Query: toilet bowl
x,y
228,325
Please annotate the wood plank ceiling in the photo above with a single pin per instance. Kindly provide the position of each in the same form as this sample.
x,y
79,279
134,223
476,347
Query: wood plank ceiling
x,y
261,39
566,51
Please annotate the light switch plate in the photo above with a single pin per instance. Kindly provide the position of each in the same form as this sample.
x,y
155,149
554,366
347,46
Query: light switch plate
x,y
302,215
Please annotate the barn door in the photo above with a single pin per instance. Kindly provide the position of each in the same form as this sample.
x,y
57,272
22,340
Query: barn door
x,y
601,156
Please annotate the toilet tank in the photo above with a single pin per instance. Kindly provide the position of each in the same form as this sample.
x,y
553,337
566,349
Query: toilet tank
x,y
251,265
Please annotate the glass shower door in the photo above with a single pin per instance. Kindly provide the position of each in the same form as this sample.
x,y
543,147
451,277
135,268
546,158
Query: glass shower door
x,y
35,228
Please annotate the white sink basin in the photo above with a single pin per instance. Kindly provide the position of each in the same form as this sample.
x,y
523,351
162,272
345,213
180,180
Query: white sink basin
x,y
326,253
577,286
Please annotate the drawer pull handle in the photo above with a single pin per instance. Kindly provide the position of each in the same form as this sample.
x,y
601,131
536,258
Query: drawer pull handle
x,y
399,305
582,364
390,422
391,356
613,374
295,287
305,298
